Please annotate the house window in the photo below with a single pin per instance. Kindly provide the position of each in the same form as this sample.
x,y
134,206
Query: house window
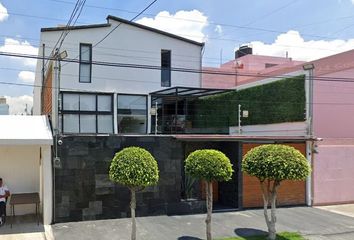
x,y
165,68
132,114
86,113
85,69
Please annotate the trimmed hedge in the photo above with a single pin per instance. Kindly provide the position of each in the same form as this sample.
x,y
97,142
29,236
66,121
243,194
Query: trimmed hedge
x,y
134,167
209,165
276,102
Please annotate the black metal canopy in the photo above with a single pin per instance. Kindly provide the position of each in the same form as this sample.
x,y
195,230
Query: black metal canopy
x,y
187,92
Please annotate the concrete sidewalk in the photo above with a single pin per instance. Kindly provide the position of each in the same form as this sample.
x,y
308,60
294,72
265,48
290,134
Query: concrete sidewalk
x,y
314,223
344,209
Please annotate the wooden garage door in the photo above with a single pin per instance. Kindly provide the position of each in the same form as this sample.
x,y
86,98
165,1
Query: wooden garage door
x,y
290,192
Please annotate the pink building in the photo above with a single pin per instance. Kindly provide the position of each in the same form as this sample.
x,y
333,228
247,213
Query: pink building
x,y
244,67
333,118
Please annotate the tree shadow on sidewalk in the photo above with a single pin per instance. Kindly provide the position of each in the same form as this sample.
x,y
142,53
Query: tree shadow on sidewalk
x,y
249,232
188,238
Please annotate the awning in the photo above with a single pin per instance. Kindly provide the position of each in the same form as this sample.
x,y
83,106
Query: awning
x,y
25,130
187,92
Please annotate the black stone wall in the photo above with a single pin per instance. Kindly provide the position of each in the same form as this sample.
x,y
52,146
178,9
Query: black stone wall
x,y
83,190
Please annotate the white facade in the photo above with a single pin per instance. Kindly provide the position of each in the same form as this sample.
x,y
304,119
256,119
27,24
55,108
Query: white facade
x,y
128,44
26,162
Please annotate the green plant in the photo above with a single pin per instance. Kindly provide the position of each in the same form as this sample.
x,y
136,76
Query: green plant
x,y
209,165
189,186
275,102
271,164
135,168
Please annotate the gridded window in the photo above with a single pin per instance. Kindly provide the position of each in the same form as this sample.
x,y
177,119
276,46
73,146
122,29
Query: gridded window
x,y
165,68
85,63
86,113
132,114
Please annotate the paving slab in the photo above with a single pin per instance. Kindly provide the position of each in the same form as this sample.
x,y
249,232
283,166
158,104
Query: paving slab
x,y
314,223
24,228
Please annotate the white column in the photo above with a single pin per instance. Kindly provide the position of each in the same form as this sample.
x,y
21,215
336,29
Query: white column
x,y
47,185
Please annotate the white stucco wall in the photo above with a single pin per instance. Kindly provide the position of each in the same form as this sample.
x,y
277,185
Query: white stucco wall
x,y
127,44
20,170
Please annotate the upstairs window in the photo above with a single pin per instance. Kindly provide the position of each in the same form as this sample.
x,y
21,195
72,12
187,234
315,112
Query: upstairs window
x,y
165,68
85,63
86,113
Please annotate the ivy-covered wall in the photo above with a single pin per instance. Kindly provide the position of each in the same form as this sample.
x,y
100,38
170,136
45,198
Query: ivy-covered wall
x,y
280,101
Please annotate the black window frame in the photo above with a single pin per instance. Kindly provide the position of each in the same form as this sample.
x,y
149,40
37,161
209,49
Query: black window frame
x,y
96,112
146,113
85,62
166,69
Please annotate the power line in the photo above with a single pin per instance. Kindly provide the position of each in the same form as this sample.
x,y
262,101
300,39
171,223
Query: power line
x,y
197,21
186,70
226,102
110,32
270,13
135,17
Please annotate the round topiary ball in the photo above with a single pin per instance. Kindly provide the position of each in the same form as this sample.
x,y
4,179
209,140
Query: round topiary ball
x,y
276,162
209,165
134,167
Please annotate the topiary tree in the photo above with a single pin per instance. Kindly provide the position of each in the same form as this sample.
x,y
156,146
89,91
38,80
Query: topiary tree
x,y
209,165
135,168
271,164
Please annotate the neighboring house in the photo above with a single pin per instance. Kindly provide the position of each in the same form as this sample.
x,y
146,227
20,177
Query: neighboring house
x,y
332,120
4,107
102,109
245,66
26,161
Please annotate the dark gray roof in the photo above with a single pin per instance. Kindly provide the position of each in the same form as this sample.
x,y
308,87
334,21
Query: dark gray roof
x,y
154,30
125,22
50,29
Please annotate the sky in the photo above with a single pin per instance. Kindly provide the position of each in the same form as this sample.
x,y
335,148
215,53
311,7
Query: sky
x,y
307,30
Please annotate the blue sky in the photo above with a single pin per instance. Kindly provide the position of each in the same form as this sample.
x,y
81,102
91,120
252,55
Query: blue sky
x,y
223,24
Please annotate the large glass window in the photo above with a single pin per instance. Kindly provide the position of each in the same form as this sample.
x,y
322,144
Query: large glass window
x,y
132,114
165,68
85,63
86,113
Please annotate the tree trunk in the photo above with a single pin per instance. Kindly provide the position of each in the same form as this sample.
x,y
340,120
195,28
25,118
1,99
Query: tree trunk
x,y
265,195
209,202
273,220
270,195
132,211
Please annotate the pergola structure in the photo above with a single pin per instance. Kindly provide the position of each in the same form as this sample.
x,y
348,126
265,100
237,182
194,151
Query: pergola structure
x,y
173,106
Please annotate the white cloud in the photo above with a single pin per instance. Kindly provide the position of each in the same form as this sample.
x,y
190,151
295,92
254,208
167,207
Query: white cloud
x,y
3,13
218,29
15,46
299,49
26,76
17,105
353,1
192,28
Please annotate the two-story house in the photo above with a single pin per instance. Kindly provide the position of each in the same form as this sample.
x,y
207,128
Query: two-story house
x,y
122,84
101,98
